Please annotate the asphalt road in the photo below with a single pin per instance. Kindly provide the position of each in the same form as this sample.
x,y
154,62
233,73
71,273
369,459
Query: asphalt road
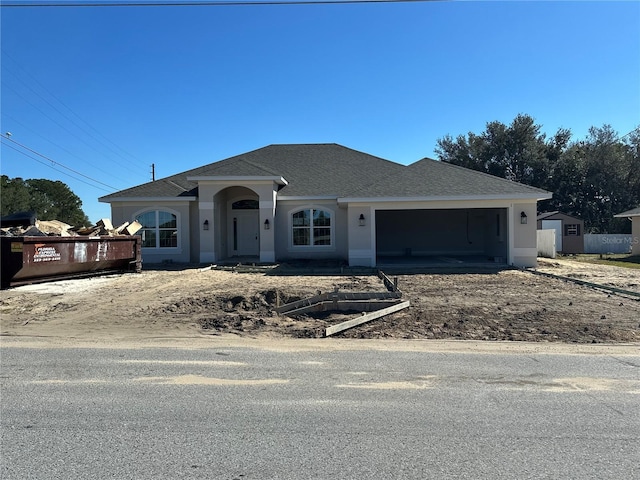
x,y
239,413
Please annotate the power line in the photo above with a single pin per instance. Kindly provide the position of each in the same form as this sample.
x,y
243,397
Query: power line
x,y
7,55
68,152
206,3
64,116
52,167
57,123
8,137
13,119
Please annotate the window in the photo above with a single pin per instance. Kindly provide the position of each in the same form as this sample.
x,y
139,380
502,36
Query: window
x,y
245,205
572,230
311,227
159,229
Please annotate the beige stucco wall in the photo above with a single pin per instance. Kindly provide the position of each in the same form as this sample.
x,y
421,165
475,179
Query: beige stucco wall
x,y
284,248
352,242
127,211
194,232
361,248
635,235
523,250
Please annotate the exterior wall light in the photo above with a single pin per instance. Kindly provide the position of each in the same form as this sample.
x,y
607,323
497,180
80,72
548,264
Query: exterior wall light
x,y
523,218
205,225
361,220
267,226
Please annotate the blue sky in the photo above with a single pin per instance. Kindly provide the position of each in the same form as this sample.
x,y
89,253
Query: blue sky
x,y
106,92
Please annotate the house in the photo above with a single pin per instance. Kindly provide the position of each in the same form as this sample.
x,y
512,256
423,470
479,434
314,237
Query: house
x,y
569,231
634,216
326,201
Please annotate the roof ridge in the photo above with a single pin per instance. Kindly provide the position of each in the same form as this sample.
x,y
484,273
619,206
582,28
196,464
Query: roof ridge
x,y
257,165
331,143
302,144
187,173
176,185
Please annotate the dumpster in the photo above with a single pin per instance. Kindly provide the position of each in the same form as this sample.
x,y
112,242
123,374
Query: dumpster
x,y
25,260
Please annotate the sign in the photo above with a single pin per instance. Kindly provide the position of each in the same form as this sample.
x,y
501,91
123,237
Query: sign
x,y
45,253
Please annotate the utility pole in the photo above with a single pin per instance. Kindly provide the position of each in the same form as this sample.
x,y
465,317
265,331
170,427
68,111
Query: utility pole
x,y
153,172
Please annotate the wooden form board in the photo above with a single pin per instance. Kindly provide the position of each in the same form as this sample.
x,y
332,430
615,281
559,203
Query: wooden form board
x,y
365,318
335,296
392,285
344,305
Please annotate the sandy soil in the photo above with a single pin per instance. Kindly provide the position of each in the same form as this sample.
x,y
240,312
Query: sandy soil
x,y
195,304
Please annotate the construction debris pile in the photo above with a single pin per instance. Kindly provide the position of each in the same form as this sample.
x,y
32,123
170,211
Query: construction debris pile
x,y
56,228
35,251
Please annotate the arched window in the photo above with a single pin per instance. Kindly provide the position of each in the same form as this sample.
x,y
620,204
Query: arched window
x,y
311,227
159,229
247,204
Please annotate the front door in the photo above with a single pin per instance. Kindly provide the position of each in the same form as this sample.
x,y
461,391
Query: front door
x,y
246,233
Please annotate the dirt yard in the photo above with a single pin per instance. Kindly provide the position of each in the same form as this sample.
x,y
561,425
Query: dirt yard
x,y
194,302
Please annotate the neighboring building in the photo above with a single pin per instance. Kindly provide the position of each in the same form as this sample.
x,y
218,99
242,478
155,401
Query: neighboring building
x,y
326,201
634,216
569,231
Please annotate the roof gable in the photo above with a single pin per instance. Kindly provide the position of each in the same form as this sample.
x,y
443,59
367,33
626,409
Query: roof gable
x,y
557,215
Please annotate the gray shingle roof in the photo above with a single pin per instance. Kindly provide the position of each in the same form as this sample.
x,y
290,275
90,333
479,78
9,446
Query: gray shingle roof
x,y
431,178
544,215
634,212
561,215
334,170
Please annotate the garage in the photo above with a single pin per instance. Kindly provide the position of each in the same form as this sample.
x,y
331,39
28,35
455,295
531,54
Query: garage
x,y
442,235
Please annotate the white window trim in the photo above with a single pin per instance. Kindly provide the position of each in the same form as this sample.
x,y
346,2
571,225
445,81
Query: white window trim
x,y
178,247
311,248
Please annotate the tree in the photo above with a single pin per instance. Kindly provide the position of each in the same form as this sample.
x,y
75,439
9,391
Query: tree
x,y
631,179
592,179
598,177
51,200
518,152
14,196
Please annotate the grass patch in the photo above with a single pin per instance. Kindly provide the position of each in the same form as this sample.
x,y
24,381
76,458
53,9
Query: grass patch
x,y
619,260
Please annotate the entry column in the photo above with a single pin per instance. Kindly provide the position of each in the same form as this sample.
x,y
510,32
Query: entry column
x,y
267,227
361,231
206,217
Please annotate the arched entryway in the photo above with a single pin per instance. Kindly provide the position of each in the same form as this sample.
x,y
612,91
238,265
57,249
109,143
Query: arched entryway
x,y
237,220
